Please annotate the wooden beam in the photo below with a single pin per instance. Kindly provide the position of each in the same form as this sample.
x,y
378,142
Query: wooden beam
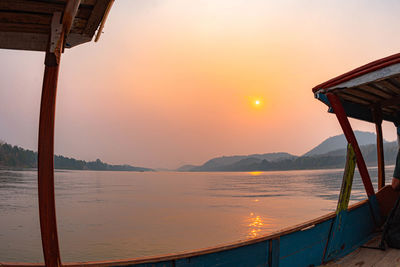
x,y
352,98
69,14
366,95
394,101
349,134
370,88
47,208
23,41
388,84
24,28
347,182
25,18
43,7
95,18
377,113
103,21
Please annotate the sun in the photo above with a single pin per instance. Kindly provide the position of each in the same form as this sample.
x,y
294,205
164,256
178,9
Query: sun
x,y
256,102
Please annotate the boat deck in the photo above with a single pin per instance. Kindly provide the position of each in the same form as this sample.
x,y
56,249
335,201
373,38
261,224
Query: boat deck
x,y
366,257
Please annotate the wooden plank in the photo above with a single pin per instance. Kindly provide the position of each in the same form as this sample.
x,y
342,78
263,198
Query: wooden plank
x,y
69,15
369,257
384,88
27,28
31,6
365,95
96,17
74,39
78,25
395,80
347,182
43,7
352,98
103,21
89,2
25,18
394,101
390,109
23,41
390,258
370,88
389,85
360,257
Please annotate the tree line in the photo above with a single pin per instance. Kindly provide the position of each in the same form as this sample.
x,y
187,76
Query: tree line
x,y
17,157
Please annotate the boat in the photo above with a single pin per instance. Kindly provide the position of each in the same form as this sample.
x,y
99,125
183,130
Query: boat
x,y
370,93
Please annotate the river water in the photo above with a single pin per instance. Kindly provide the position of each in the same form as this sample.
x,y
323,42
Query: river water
x,y
119,215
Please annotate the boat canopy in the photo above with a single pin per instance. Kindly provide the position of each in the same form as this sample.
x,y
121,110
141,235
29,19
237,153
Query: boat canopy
x,y
366,91
27,24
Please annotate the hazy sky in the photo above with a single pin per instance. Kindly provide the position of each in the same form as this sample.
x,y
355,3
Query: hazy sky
x,y
173,82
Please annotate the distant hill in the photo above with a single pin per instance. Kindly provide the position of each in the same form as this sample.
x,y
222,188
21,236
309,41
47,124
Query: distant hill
x,y
186,168
340,142
224,162
17,157
332,159
329,154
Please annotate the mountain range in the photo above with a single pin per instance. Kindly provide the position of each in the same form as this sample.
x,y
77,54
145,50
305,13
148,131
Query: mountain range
x,y
331,153
339,142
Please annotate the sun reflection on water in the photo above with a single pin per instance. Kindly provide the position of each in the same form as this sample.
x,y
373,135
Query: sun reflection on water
x,y
255,223
256,173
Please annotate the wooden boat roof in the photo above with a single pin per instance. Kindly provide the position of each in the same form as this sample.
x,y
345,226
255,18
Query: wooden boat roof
x,y
373,86
26,24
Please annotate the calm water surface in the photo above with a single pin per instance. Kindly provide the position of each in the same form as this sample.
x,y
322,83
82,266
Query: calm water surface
x,y
115,215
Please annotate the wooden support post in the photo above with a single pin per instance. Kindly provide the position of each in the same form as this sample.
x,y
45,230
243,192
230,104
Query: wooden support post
x,y
345,190
47,209
349,134
379,147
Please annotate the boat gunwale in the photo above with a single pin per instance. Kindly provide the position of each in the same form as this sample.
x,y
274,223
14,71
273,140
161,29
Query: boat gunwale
x,y
198,252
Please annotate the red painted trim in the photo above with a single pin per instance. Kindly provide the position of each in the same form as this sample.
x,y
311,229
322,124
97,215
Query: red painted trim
x,y
370,67
351,138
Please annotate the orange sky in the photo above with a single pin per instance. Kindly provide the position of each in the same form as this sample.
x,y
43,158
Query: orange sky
x,y
172,82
